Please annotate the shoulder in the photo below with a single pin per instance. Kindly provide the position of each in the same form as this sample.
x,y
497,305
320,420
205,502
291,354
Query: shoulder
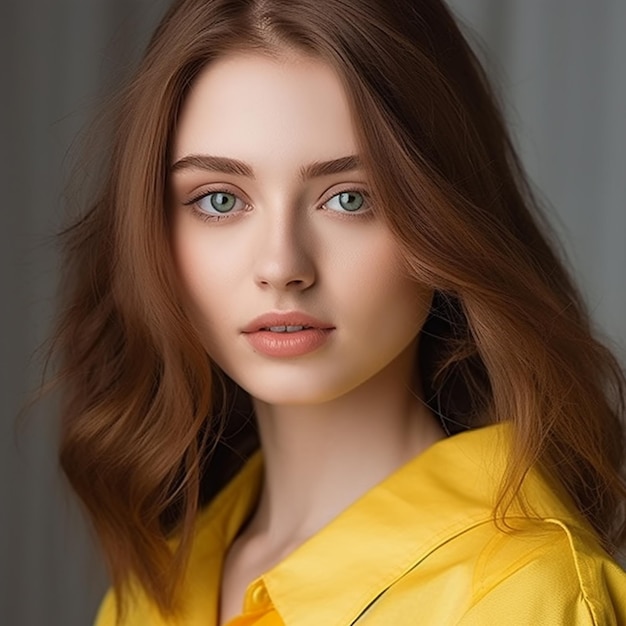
x,y
535,572
547,572
215,528
138,610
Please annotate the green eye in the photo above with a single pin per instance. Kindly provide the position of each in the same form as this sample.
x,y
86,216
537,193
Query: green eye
x,y
219,202
349,201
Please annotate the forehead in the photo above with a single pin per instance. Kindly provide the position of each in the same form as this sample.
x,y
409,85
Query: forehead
x,y
251,106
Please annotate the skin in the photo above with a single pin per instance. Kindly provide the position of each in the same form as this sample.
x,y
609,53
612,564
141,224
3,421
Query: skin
x,y
334,422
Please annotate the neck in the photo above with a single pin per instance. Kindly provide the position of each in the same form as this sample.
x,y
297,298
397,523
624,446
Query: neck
x,y
321,458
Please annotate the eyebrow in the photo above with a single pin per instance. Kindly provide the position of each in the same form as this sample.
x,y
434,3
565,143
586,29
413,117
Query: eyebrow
x,y
226,165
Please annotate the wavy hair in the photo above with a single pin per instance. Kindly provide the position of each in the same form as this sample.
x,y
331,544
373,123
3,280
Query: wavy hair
x,y
151,428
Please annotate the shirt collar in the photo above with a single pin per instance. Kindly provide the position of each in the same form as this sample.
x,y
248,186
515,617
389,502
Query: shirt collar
x,y
442,492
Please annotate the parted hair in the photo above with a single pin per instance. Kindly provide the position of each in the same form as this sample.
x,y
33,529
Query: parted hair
x,y
152,429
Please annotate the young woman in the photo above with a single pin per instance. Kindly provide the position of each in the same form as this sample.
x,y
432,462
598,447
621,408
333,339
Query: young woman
x,y
321,364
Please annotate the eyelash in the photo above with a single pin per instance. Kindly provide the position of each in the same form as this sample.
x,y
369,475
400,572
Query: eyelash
x,y
208,217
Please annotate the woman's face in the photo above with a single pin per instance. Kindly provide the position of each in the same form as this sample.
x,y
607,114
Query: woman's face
x,y
276,235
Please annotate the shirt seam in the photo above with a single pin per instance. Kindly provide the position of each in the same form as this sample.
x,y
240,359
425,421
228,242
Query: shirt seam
x,y
579,564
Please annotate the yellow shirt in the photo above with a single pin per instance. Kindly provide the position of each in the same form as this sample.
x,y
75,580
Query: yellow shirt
x,y
418,548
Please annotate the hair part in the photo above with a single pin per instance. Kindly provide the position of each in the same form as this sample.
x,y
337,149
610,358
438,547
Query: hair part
x,y
152,429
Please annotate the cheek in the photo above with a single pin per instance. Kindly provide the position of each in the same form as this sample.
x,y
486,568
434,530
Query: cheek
x,y
377,286
204,270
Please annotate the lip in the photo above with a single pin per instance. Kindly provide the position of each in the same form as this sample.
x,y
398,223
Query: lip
x,y
288,344
285,318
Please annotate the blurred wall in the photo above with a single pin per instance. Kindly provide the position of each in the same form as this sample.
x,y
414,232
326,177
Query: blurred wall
x,y
561,72
59,57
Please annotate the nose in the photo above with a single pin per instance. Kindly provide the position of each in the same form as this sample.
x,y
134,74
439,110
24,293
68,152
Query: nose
x,y
284,259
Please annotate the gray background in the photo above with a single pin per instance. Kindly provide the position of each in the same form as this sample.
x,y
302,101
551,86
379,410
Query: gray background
x,y
560,67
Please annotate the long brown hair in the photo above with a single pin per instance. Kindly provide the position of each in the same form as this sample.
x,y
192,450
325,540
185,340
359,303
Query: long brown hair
x,y
148,419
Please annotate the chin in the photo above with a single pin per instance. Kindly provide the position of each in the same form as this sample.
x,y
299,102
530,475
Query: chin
x,y
293,397
296,391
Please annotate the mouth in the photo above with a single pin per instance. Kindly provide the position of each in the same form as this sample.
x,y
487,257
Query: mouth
x,y
286,329
285,322
289,339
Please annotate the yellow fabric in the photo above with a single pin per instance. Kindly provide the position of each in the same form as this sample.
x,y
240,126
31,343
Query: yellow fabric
x,y
419,548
